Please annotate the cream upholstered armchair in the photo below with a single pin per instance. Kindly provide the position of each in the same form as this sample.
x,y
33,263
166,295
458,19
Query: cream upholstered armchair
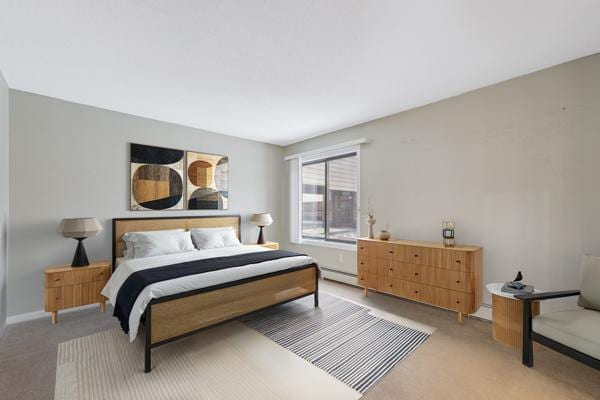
x,y
575,333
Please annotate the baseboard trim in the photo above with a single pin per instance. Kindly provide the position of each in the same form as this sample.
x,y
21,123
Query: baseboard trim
x,y
30,316
3,330
484,312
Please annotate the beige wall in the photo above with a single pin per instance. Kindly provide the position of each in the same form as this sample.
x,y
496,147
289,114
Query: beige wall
x,y
4,189
70,160
515,164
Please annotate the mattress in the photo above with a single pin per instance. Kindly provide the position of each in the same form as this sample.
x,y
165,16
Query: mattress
x,y
183,284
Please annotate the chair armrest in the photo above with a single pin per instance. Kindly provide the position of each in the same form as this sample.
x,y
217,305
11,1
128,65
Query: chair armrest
x,y
547,295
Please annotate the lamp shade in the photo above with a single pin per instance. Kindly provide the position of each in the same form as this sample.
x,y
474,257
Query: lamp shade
x,y
79,227
263,219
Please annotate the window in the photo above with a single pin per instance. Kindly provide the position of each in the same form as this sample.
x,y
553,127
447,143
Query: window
x,y
329,198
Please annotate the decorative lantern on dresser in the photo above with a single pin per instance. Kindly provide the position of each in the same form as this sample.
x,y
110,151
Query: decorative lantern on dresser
x,y
427,272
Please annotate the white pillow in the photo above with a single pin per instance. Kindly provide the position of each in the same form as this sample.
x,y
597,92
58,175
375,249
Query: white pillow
x,y
155,243
214,238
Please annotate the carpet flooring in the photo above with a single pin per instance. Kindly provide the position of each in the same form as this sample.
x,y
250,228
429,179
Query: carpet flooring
x,y
457,362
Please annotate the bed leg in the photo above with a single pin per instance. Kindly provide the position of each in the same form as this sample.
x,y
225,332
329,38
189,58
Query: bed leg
x,y
148,342
317,288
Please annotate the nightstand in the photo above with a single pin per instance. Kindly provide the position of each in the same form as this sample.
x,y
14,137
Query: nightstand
x,y
268,245
507,316
68,287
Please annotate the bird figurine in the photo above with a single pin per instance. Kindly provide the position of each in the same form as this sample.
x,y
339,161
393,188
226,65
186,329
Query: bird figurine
x,y
519,277
516,287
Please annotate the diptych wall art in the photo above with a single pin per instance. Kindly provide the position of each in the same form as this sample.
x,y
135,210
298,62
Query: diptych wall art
x,y
207,181
157,179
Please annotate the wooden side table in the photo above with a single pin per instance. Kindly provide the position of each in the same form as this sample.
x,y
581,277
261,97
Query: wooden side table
x,y
268,245
507,316
68,287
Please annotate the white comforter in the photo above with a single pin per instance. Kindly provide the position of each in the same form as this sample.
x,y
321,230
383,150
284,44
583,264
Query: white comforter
x,y
186,283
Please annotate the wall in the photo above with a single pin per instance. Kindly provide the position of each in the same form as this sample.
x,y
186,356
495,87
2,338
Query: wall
x,y
70,160
4,190
515,164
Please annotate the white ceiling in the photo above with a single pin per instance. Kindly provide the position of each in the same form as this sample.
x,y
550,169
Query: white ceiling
x,y
282,71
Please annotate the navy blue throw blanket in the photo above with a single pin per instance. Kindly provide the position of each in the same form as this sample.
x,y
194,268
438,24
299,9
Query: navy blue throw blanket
x,y
136,282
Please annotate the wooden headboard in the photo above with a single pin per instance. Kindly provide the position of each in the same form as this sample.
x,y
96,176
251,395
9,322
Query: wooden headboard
x,y
120,226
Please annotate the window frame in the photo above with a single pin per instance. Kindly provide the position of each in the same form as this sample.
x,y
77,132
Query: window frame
x,y
325,157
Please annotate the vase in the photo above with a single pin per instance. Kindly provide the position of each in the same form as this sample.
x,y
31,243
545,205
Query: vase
x,y
371,221
384,235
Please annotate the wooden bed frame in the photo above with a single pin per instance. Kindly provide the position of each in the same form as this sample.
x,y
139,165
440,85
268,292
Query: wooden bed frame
x,y
183,314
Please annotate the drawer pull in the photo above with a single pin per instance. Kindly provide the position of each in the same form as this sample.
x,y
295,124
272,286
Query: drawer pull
x,y
416,256
391,251
416,292
57,280
457,281
457,302
392,269
391,286
416,274
362,263
458,261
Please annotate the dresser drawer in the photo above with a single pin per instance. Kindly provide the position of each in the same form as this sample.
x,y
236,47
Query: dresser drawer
x,y
387,251
366,264
366,248
387,268
57,279
456,260
447,279
368,280
361,264
59,298
412,272
412,290
410,254
448,299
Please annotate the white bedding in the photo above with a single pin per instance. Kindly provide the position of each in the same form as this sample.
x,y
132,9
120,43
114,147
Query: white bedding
x,y
186,283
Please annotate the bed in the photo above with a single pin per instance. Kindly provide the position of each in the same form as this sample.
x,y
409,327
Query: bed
x,y
170,311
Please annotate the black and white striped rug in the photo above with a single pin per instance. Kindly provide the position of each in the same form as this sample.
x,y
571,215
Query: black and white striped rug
x,y
339,337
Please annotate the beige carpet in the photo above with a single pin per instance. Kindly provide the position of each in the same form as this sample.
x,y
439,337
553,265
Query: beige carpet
x,y
231,361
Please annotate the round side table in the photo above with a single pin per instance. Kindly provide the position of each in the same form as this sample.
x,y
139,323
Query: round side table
x,y
507,316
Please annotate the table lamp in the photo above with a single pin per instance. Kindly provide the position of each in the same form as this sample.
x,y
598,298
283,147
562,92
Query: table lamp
x,y
261,220
79,229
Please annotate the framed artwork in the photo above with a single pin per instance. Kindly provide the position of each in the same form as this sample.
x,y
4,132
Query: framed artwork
x,y
207,181
156,178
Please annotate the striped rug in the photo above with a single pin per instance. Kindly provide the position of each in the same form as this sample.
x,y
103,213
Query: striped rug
x,y
340,337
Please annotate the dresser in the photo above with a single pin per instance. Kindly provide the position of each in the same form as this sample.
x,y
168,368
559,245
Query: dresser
x,y
67,286
427,272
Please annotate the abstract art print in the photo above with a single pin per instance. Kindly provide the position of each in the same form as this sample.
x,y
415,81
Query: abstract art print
x,y
156,178
207,181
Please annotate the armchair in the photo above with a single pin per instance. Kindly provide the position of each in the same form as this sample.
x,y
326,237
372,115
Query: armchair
x,y
574,333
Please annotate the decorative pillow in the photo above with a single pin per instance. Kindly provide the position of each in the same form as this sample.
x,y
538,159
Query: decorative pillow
x,y
214,238
590,283
155,243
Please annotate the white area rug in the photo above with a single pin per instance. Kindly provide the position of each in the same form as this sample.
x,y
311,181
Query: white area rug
x,y
231,361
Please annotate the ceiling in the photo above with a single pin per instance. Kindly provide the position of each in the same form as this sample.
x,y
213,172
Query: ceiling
x,y
282,71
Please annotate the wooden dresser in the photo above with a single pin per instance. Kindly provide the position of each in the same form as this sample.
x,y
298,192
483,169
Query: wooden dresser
x,y
450,278
68,286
